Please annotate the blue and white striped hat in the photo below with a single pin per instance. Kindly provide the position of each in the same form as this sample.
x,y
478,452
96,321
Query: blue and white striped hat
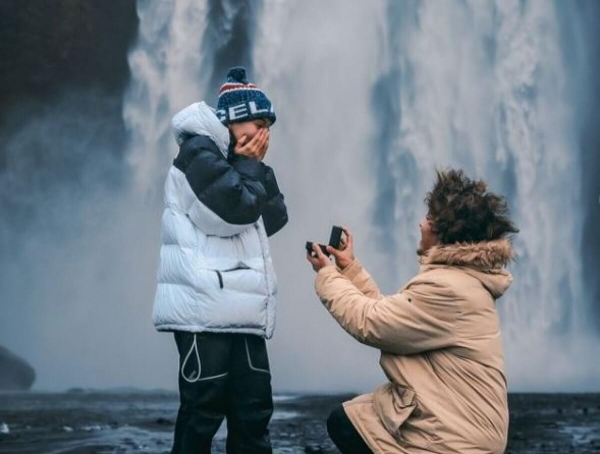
x,y
241,101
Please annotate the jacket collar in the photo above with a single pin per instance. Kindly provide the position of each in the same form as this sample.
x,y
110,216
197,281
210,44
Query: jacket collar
x,y
485,254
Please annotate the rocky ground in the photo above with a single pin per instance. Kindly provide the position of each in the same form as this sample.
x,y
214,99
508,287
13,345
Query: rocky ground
x,y
124,422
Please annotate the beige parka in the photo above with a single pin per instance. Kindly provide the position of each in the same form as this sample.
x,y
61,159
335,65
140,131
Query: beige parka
x,y
441,350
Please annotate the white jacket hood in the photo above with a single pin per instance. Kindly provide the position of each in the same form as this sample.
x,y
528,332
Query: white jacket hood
x,y
200,119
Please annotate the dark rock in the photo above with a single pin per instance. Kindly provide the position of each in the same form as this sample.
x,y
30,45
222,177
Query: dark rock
x,y
75,390
74,49
15,373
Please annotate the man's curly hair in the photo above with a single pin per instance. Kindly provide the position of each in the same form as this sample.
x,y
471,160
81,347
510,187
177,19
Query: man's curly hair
x,y
462,210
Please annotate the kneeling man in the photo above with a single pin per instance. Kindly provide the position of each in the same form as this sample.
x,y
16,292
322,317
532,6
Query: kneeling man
x,y
439,334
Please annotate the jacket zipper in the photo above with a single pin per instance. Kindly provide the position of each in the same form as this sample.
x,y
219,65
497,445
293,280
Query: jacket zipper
x,y
264,247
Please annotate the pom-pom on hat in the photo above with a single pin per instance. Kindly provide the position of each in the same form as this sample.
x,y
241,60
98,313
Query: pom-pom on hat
x,y
241,101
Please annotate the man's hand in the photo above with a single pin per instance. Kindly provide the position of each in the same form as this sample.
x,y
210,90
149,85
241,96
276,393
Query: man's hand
x,y
344,256
256,148
320,260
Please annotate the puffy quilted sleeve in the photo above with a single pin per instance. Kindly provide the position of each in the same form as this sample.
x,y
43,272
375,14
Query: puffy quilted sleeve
x,y
229,195
274,212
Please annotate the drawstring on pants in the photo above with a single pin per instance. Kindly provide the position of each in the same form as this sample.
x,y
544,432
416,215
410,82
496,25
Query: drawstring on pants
x,y
192,379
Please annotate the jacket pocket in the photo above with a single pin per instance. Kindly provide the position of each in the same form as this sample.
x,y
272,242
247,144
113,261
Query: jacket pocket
x,y
394,404
220,276
416,425
221,273
256,354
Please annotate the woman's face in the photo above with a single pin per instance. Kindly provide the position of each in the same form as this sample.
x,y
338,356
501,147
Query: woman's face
x,y
249,128
428,237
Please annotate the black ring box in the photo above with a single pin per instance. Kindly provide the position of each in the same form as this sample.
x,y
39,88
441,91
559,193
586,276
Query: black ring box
x,y
334,241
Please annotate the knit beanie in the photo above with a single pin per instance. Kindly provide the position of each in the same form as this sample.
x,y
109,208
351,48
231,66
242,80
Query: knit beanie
x,y
241,101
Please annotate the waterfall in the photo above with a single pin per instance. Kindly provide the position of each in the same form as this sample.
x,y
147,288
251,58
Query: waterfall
x,y
484,87
165,68
180,55
370,99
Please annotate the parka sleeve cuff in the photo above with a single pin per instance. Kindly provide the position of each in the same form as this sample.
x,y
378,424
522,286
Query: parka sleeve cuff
x,y
321,279
269,181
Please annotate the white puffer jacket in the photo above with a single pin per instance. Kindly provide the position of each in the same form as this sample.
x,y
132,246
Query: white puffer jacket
x,y
215,272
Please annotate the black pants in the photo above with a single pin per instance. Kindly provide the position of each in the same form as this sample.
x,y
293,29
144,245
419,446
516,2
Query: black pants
x,y
223,375
344,435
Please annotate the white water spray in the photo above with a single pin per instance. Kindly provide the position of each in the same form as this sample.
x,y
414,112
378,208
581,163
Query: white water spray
x,y
165,77
370,98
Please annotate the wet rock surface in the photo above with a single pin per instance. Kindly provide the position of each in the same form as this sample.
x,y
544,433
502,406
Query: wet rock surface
x,y
15,372
123,422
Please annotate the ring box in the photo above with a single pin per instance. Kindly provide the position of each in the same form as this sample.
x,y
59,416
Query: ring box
x,y
334,241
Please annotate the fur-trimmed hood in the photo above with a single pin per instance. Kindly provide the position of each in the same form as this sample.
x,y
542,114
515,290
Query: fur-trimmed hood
x,y
485,254
484,261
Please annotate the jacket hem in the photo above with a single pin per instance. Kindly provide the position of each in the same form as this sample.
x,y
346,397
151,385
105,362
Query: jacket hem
x,y
202,329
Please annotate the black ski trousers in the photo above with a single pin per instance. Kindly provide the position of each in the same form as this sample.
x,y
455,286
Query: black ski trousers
x,y
223,375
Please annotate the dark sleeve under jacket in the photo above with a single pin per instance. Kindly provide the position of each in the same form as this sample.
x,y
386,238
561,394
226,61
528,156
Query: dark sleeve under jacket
x,y
237,190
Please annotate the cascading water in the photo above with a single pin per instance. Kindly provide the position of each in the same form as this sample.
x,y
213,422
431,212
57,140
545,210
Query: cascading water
x,y
370,98
484,88
164,67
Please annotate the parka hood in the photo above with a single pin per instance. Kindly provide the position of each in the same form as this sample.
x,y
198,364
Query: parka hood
x,y
484,261
200,119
